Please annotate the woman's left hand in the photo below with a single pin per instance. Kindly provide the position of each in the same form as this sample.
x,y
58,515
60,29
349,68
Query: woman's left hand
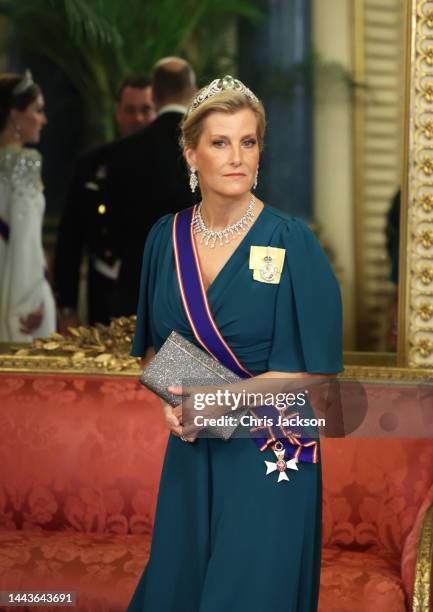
x,y
177,411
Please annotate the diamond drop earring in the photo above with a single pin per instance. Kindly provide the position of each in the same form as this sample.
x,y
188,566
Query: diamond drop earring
x,y
257,176
193,180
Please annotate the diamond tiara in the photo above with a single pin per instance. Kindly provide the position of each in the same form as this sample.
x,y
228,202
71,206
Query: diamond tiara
x,y
25,82
228,83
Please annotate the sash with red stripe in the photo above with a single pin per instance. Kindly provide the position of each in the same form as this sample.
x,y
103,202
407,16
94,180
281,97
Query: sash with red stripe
x,y
207,334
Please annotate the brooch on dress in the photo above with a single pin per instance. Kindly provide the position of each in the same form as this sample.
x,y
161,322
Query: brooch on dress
x,y
266,263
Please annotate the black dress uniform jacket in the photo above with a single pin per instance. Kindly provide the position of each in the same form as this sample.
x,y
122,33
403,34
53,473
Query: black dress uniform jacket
x,y
87,226
147,179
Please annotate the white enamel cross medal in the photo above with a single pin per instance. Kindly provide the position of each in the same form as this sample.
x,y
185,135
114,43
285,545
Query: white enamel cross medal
x,y
281,465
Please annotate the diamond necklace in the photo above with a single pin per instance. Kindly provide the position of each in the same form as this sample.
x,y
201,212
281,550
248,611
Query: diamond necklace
x,y
210,237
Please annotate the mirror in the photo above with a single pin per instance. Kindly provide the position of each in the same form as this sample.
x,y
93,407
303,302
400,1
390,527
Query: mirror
x,y
334,87
359,161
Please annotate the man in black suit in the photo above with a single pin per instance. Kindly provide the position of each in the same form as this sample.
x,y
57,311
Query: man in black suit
x,y
147,174
87,222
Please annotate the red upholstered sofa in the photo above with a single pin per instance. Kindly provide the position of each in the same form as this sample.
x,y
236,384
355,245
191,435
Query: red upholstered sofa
x,y
376,494
80,460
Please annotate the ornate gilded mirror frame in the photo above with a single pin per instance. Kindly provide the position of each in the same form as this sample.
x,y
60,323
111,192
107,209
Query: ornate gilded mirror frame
x,y
415,347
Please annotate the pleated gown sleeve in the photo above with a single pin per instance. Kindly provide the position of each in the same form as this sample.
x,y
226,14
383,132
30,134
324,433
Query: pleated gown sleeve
x,y
307,334
154,243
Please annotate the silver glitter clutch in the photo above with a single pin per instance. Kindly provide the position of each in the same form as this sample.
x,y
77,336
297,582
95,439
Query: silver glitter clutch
x,y
180,362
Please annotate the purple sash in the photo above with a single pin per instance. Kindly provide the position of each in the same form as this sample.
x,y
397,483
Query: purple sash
x,y
206,332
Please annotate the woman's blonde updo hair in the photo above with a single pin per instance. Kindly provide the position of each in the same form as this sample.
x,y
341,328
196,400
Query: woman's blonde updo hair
x,y
227,101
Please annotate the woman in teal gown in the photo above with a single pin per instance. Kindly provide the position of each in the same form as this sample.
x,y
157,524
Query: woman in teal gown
x,y
226,536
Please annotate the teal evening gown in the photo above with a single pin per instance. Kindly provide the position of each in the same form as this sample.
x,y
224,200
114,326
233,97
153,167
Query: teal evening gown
x,y
226,536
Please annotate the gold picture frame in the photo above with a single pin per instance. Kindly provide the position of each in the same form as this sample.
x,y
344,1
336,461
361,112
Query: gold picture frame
x,y
415,348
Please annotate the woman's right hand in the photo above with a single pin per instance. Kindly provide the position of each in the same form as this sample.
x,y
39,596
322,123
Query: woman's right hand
x,y
32,321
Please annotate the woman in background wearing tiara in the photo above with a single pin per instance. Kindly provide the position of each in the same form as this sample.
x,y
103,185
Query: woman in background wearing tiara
x,y
27,307
227,536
